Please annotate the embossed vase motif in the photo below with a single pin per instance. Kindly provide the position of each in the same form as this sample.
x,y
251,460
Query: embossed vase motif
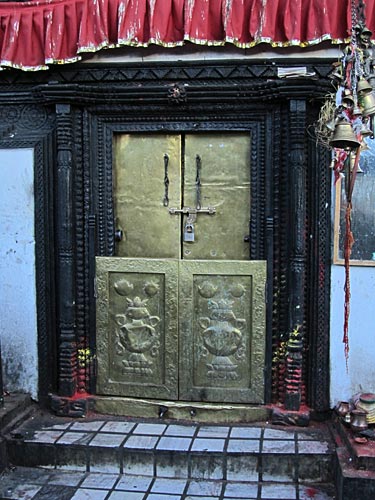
x,y
137,334
222,337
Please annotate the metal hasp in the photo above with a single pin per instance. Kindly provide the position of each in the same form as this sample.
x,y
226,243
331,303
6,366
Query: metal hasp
x,y
193,212
189,231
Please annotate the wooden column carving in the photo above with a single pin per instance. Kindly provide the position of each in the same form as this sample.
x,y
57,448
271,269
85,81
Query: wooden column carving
x,y
297,255
67,348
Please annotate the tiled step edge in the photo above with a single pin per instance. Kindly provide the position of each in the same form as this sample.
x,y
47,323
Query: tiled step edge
x,y
236,466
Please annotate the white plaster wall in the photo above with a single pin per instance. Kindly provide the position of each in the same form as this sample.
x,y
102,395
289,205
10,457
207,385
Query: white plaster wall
x,y
360,376
18,322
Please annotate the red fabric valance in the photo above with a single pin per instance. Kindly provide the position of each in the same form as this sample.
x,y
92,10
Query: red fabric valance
x,y
38,33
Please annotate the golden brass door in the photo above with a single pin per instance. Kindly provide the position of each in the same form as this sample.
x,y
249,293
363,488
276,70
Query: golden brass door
x,y
181,308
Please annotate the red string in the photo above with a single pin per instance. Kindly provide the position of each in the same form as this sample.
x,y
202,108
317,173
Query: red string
x,y
349,240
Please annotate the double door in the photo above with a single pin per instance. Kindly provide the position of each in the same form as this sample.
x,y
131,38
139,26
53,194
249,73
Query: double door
x,y
181,310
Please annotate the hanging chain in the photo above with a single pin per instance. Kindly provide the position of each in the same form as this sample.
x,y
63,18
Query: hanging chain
x,y
355,66
166,181
198,182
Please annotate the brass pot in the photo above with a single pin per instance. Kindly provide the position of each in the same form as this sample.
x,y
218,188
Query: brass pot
x,y
343,409
358,420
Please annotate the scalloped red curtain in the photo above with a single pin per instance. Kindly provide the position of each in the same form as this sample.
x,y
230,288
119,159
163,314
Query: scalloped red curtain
x,y
38,33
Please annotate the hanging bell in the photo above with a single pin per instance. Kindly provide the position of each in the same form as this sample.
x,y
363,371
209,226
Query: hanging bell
x,y
366,31
357,111
366,131
363,86
347,99
344,137
352,163
368,104
366,35
371,79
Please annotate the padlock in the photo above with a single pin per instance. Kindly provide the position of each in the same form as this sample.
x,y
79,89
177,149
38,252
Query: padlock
x,y
189,232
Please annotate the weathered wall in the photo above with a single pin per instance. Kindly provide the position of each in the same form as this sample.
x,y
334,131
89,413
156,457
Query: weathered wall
x,y
360,376
18,328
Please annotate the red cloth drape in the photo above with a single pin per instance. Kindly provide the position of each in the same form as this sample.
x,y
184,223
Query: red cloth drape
x,y
38,33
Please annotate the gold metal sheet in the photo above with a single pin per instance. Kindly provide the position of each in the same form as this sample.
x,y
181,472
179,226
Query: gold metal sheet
x,y
222,331
137,339
139,191
225,185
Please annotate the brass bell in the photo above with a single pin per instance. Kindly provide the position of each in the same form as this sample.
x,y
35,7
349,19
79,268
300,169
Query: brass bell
x,y
344,137
348,100
366,131
366,31
368,104
352,163
363,86
371,79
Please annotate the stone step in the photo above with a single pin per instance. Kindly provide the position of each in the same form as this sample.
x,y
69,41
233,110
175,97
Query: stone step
x,y
182,451
361,449
15,409
351,482
35,483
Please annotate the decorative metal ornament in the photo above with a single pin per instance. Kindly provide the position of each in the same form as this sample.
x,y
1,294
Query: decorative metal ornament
x,y
177,94
344,137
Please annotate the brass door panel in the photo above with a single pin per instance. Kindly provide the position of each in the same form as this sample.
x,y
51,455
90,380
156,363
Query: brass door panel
x,y
181,315
223,172
222,331
140,165
137,344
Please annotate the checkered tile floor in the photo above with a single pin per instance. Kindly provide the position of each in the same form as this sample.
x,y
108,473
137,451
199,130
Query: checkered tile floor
x,y
131,460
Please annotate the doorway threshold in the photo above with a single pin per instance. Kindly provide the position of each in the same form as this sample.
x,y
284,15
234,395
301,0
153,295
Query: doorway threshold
x,y
188,411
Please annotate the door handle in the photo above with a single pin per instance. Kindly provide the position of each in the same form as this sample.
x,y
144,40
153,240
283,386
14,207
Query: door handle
x,y
119,234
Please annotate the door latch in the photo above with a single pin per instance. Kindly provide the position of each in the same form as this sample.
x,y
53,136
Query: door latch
x,y
189,234
193,211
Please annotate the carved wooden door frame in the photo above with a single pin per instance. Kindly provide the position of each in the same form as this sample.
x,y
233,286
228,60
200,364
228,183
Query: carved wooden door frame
x,y
85,104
